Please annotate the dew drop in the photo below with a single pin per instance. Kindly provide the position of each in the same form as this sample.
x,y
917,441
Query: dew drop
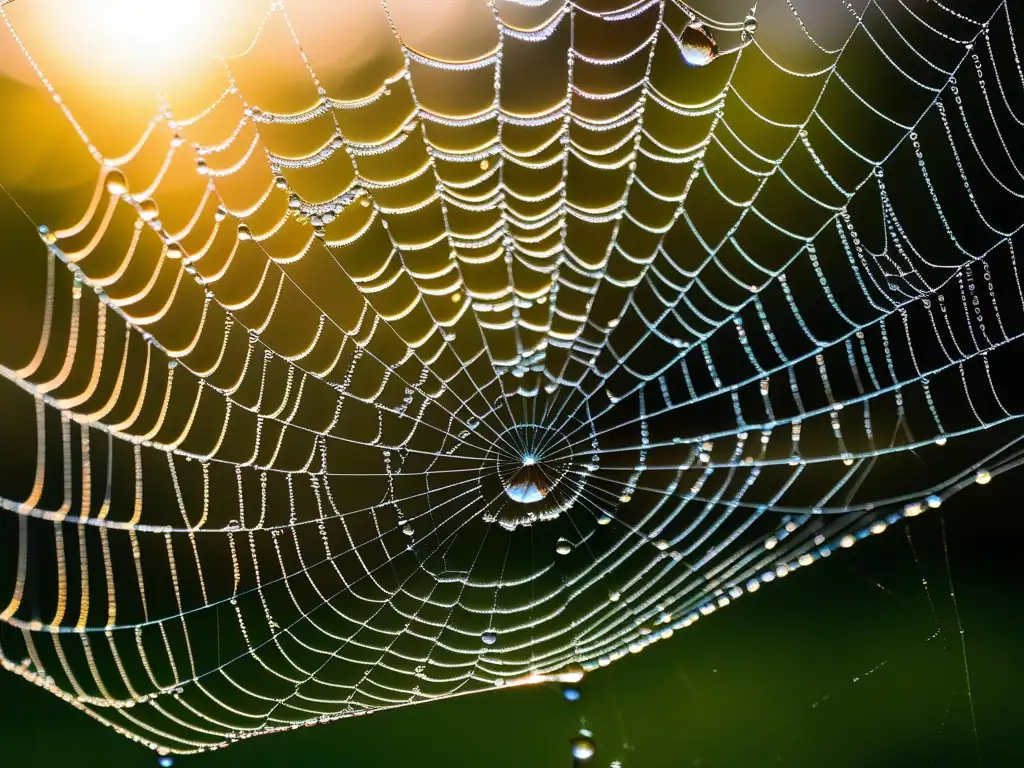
x,y
697,46
48,237
116,183
148,210
244,233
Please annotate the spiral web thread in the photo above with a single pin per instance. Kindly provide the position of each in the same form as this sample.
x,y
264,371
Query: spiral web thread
x,y
300,512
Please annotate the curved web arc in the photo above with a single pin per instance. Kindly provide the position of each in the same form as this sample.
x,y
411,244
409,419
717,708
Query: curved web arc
x,y
659,506
778,165
394,244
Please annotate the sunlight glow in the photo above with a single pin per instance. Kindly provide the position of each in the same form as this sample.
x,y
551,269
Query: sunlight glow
x,y
148,40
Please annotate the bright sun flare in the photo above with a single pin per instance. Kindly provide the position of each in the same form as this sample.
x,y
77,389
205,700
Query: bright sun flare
x,y
143,38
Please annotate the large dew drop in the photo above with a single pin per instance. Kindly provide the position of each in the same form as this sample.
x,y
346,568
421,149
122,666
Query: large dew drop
x,y
697,45
148,209
583,747
116,183
528,484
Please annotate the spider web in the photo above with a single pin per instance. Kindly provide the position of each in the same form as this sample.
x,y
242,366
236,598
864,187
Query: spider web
x,y
449,401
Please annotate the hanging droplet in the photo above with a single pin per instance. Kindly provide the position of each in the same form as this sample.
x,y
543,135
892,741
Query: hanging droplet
x,y
116,183
244,233
697,45
408,530
485,164
148,209
563,547
750,24
201,167
365,202
489,638
569,693
583,747
281,182
528,485
174,251
220,214
983,477
165,761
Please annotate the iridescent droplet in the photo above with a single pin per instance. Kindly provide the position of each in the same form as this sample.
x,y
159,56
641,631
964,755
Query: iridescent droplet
x,y
528,485
697,46
583,747
116,183
148,209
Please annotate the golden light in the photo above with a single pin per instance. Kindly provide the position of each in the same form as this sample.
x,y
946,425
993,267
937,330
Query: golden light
x,y
133,40
571,674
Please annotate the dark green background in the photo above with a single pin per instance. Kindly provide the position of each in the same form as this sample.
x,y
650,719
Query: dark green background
x,y
789,676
